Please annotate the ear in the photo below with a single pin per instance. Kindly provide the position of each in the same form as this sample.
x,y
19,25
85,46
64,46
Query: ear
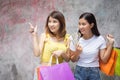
x,y
92,24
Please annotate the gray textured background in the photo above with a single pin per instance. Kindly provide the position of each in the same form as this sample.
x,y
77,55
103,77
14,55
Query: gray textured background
x,y
17,61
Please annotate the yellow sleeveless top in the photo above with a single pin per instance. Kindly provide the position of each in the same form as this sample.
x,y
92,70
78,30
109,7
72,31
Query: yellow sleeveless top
x,y
50,46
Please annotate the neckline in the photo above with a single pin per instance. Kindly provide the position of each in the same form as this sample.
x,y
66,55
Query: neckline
x,y
89,38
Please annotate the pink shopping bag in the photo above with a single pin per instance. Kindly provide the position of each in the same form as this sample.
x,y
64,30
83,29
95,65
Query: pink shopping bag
x,y
57,72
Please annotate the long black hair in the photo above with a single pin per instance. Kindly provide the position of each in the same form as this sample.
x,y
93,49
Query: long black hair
x,y
91,19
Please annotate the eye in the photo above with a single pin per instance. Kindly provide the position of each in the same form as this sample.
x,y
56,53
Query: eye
x,y
83,24
55,21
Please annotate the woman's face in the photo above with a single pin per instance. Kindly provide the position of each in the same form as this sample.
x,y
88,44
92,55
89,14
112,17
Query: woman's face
x,y
84,26
53,25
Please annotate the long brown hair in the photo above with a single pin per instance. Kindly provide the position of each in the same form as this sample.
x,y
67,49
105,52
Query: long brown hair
x,y
60,17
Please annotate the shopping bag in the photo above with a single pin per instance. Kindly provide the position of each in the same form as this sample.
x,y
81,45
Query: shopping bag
x,y
109,67
37,74
60,71
117,67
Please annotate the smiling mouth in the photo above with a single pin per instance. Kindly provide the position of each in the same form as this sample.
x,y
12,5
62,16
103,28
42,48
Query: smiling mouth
x,y
52,28
82,30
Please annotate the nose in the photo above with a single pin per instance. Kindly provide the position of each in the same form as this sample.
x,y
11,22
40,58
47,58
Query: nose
x,y
80,26
51,23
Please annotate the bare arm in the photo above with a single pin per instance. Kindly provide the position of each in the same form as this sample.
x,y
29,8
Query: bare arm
x,y
33,31
75,54
66,55
41,42
75,50
36,45
38,42
105,53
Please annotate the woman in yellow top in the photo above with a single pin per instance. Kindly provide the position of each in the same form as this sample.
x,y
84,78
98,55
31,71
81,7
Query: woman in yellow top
x,y
54,41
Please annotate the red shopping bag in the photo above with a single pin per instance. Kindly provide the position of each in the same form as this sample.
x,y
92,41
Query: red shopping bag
x,y
57,72
37,74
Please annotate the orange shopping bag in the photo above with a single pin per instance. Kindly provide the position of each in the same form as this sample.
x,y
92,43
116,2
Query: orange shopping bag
x,y
109,67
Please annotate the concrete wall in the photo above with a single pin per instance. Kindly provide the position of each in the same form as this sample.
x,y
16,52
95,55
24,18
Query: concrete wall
x,y
17,61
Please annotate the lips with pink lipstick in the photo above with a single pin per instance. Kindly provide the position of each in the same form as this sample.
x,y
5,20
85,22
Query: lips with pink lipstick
x,y
52,28
82,31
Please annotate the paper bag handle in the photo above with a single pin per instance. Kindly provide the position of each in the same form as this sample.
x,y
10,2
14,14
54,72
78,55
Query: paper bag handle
x,y
50,61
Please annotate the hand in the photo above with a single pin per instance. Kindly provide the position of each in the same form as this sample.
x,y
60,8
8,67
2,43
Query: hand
x,y
33,29
78,48
58,53
110,38
75,54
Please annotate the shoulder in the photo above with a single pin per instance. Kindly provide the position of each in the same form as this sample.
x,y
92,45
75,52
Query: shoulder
x,y
43,36
67,36
100,38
